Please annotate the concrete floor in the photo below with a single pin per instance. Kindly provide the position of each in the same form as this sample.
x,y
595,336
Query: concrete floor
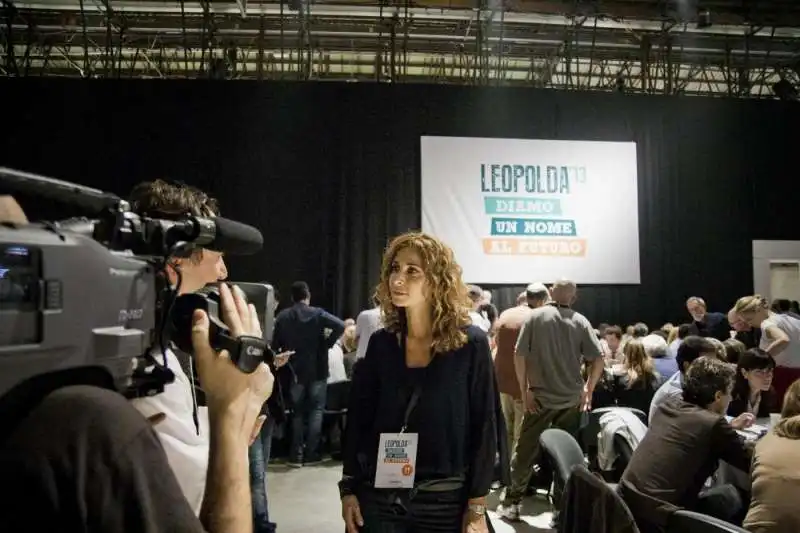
x,y
306,500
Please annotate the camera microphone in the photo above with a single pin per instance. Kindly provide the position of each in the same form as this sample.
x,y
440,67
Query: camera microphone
x,y
217,233
147,236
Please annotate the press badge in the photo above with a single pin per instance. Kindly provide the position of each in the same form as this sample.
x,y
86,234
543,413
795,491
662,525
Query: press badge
x,y
397,461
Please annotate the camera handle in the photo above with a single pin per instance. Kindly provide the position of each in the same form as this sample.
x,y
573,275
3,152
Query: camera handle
x,y
246,352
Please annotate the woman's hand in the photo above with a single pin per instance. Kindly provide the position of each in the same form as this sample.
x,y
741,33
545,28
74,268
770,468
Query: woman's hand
x,y
474,523
743,421
351,512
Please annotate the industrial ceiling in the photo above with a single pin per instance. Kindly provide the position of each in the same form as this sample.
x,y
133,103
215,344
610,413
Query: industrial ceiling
x,y
742,48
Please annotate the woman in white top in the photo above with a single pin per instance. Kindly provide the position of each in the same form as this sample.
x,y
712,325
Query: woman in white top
x,y
780,338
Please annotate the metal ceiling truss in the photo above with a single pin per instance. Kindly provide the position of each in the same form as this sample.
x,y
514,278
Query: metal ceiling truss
x,y
590,45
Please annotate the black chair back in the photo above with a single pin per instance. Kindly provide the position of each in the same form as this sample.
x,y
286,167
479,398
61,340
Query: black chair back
x,y
691,522
333,423
592,506
563,453
337,397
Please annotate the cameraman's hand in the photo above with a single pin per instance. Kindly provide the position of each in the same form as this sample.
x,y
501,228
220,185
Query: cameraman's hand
x,y
11,212
237,314
232,395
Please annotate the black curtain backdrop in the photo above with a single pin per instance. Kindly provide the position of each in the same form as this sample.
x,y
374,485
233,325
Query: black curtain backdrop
x,y
330,172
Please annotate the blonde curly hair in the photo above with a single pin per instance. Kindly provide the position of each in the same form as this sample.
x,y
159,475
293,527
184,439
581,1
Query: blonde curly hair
x,y
448,293
751,304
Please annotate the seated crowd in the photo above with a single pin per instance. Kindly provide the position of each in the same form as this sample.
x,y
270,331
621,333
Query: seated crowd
x,y
717,401
707,437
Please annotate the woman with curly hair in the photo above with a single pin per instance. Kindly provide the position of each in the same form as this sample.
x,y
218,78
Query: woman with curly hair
x,y
427,378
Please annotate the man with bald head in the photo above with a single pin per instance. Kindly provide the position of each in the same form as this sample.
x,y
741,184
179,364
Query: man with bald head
x,y
506,332
551,349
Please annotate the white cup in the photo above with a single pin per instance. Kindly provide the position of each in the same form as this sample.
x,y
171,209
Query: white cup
x,y
774,418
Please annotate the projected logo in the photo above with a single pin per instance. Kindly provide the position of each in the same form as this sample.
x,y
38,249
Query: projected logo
x,y
525,204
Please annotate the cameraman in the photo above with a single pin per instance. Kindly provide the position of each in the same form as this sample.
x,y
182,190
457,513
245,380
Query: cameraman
x,y
184,432
85,460
89,462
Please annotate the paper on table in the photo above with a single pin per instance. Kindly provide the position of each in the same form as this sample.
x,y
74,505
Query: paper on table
x,y
754,431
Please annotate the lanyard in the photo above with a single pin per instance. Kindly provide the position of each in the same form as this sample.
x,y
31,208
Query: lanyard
x,y
412,403
415,396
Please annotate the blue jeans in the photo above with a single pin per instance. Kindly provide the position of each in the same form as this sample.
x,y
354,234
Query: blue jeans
x,y
308,403
258,454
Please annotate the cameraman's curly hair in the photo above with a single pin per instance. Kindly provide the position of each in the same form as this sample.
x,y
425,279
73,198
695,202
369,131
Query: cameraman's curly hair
x,y
164,199
448,293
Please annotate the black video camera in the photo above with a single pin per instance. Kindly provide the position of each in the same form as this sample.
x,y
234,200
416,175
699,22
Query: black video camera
x,y
246,352
88,301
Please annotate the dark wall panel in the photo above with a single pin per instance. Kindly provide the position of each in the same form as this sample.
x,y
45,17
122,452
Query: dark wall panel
x,y
330,172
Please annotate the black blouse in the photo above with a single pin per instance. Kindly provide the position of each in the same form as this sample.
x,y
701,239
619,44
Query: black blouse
x,y
639,396
739,404
454,417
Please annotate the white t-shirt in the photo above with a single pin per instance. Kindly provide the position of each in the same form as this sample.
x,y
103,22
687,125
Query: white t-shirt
x,y
187,451
672,388
790,356
367,323
336,369
480,321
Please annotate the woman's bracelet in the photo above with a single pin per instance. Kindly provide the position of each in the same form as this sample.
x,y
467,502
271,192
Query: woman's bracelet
x,y
347,486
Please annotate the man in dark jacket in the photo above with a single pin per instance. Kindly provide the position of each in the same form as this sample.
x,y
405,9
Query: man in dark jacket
x,y
693,433
309,332
705,323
